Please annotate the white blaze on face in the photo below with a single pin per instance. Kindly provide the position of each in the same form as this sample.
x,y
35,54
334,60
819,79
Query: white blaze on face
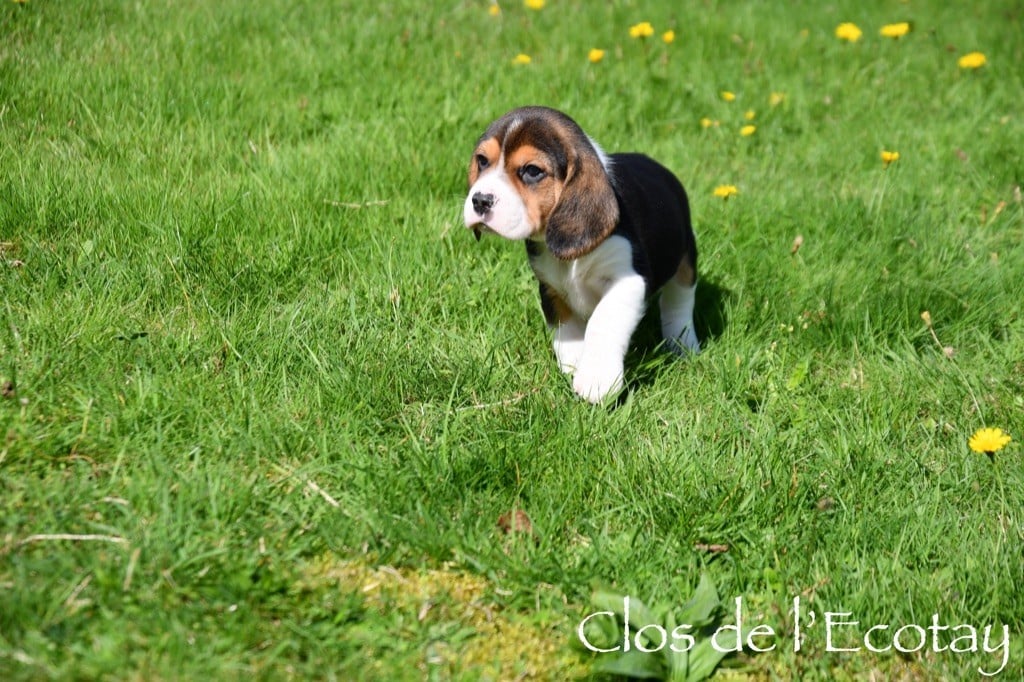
x,y
494,203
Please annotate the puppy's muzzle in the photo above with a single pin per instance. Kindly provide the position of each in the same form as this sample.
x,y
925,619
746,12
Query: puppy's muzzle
x,y
483,203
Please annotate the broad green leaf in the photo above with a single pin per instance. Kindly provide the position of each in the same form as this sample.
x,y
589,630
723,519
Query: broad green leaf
x,y
606,600
677,662
705,657
639,614
635,664
697,612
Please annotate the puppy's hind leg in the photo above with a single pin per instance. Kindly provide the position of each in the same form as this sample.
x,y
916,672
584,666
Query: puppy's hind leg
x,y
677,301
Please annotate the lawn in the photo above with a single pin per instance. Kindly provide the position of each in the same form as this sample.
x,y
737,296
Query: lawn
x,y
268,410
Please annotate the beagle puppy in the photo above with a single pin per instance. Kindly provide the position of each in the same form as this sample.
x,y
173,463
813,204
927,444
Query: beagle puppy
x,y
603,232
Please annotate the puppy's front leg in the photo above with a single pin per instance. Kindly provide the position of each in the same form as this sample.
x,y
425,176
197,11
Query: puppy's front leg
x,y
600,369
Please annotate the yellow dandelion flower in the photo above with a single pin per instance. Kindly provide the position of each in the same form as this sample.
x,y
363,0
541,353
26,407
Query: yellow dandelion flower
x,y
776,98
494,10
534,4
895,30
641,30
889,157
848,31
521,59
749,114
728,96
972,60
726,191
668,36
989,441
747,131
595,55
706,122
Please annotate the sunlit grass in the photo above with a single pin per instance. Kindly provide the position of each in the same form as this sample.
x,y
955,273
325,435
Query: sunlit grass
x,y
251,361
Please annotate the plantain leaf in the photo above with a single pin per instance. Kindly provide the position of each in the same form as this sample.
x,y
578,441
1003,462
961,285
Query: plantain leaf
x,y
705,657
606,600
697,612
639,614
633,663
693,665
677,662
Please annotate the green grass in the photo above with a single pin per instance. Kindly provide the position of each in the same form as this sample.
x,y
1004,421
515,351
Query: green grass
x,y
244,334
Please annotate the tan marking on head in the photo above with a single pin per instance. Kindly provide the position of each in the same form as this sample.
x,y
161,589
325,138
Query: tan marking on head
x,y
538,197
489,148
575,205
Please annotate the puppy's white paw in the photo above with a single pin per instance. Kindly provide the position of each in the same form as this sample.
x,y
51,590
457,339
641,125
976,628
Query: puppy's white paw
x,y
595,381
568,354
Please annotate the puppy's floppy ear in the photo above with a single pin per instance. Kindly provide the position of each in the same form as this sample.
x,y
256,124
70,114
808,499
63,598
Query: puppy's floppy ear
x,y
587,210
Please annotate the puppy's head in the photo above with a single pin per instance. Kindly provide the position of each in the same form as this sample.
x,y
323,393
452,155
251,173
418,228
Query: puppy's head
x,y
535,174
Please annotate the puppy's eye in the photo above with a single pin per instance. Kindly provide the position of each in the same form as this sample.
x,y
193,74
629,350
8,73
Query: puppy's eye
x,y
531,174
482,162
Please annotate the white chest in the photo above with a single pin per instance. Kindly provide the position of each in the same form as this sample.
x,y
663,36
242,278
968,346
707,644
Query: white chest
x,y
583,282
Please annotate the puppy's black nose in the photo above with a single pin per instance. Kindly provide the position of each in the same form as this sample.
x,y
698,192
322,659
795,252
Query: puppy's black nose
x,y
482,203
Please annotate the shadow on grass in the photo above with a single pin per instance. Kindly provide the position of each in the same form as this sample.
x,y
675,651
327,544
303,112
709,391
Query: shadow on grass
x,y
709,315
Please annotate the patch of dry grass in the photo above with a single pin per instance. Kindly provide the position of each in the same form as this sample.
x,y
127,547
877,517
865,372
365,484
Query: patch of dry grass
x,y
484,641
